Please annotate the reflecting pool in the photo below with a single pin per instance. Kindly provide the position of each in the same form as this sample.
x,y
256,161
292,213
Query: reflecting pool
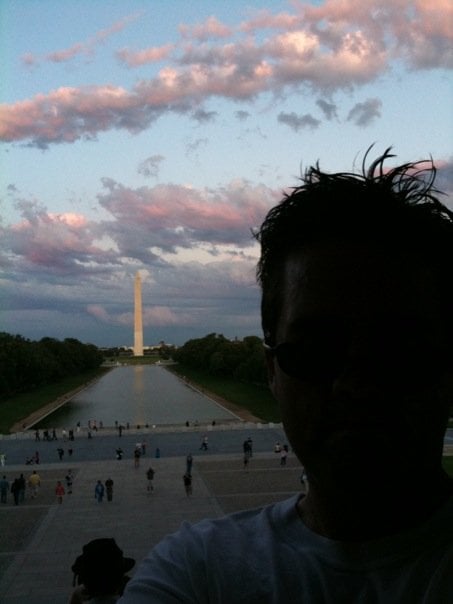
x,y
140,395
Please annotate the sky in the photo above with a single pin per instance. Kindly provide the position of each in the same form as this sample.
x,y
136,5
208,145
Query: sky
x,y
154,136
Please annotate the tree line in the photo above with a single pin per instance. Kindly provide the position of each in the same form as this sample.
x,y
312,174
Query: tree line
x,y
27,364
239,359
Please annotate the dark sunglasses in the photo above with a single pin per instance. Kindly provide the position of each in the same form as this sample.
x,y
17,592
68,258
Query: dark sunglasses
x,y
398,353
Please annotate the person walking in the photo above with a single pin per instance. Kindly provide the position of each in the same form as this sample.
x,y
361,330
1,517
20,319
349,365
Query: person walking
x,y
283,456
109,489
69,480
99,491
150,476
15,487
247,448
59,492
187,478
34,482
137,457
189,462
4,488
250,446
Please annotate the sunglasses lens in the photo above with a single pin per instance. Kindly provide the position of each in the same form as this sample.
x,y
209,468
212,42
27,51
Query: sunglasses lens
x,y
407,367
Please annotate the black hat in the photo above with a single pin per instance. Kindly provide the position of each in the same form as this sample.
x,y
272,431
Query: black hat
x,y
101,565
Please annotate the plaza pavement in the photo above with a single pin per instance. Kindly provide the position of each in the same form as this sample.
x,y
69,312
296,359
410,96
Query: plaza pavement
x,y
40,539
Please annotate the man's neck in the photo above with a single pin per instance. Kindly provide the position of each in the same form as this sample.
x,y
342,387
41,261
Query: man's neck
x,y
374,512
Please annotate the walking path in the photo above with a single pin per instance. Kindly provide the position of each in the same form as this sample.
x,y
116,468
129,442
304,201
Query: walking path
x,y
40,539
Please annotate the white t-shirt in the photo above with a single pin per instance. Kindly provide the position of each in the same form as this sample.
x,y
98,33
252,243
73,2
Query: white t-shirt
x,y
268,555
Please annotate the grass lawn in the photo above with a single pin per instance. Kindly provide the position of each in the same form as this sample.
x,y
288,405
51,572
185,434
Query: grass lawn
x,y
256,399
16,408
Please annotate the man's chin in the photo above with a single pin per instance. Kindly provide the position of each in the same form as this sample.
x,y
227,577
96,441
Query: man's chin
x,y
359,452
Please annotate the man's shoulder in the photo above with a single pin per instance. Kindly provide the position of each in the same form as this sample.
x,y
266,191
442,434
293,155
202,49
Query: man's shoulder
x,y
255,524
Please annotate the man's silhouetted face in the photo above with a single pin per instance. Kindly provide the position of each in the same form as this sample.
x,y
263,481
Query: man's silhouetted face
x,y
359,368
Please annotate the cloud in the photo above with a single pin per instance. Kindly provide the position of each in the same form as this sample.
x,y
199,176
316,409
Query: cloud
x,y
62,243
156,316
444,181
363,114
168,217
322,48
425,41
298,122
242,115
193,146
202,116
264,19
150,166
86,47
329,109
29,60
61,56
146,227
98,312
211,28
143,57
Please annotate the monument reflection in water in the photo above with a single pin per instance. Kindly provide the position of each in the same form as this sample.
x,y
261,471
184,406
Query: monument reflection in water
x,y
140,395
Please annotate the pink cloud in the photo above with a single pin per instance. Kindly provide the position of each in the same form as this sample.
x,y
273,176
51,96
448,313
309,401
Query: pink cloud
x,y
168,216
60,56
264,19
327,47
211,28
61,242
146,225
142,57
29,59
427,41
98,312
86,47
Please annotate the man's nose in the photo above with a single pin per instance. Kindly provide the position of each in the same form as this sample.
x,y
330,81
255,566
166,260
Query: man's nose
x,y
355,381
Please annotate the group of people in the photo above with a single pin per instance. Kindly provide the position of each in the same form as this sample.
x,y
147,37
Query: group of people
x,y
46,435
100,489
18,487
33,459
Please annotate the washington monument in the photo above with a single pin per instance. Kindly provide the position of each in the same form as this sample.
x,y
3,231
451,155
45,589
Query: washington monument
x,y
138,323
